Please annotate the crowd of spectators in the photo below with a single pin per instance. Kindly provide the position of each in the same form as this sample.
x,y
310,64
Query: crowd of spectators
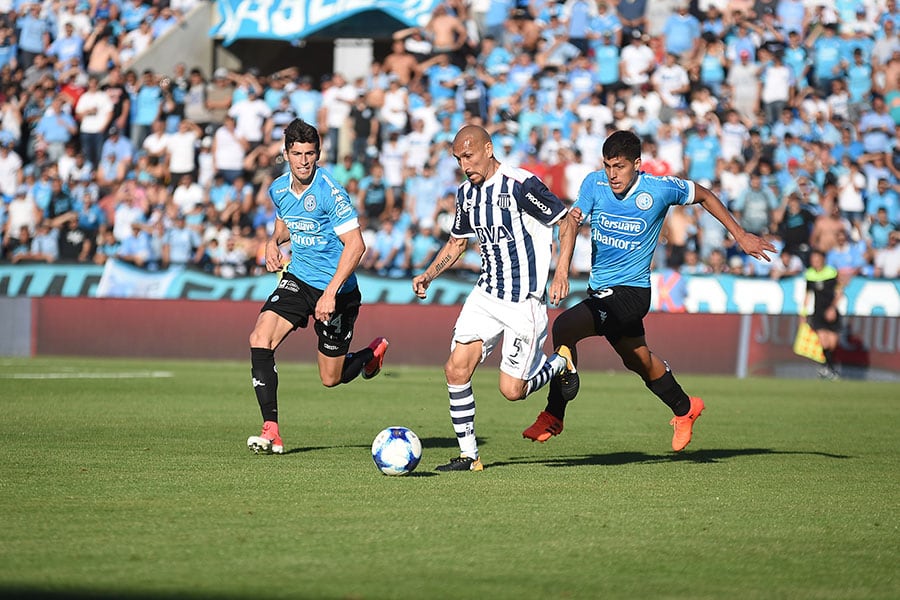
x,y
788,109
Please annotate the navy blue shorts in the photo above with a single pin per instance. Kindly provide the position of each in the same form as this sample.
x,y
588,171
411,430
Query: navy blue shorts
x,y
296,301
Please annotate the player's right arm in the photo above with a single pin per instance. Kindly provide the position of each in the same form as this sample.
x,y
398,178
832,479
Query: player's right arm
x,y
446,258
274,259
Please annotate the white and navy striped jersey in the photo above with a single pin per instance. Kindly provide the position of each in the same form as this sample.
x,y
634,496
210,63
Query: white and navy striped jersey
x,y
315,219
512,215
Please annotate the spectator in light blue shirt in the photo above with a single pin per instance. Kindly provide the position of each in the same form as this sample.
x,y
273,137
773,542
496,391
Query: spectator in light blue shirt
x,y
132,13
827,52
606,59
55,128
701,154
68,46
165,21
180,244
681,31
119,145
33,35
147,107
306,101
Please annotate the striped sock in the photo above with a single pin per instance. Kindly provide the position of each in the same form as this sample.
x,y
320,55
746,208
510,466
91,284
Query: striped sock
x,y
552,367
462,413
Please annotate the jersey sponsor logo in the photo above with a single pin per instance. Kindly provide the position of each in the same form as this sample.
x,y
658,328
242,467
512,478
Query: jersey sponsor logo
x,y
619,224
289,285
537,203
309,203
342,209
281,190
608,240
643,201
504,200
493,235
302,226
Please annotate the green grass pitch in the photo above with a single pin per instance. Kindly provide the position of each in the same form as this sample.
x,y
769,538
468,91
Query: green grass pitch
x,y
131,479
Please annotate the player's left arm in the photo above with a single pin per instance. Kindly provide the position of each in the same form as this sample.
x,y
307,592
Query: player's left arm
x,y
354,248
751,244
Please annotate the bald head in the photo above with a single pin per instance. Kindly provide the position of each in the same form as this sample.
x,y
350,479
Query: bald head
x,y
474,152
475,133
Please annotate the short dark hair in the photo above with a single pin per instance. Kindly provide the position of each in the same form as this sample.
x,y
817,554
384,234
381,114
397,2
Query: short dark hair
x,y
299,130
624,144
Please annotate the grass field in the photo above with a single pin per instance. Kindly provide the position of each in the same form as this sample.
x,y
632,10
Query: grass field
x,y
131,479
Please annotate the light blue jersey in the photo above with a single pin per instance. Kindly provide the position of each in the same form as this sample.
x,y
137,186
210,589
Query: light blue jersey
x,y
315,220
624,231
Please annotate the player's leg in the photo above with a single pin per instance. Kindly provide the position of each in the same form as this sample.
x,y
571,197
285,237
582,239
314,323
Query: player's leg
x,y
524,368
659,379
268,333
336,364
569,328
459,368
475,334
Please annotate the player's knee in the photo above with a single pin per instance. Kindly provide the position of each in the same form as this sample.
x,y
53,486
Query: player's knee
x,y
455,375
513,393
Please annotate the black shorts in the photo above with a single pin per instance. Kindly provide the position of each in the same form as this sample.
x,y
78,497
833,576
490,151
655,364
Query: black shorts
x,y
296,302
819,322
619,311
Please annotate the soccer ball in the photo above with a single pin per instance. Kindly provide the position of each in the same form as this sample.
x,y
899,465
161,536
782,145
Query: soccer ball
x,y
396,451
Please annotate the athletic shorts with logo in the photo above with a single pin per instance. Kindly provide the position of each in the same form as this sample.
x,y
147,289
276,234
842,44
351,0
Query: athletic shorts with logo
x,y
619,311
522,325
296,301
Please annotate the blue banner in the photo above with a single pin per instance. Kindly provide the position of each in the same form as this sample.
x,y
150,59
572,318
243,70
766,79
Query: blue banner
x,y
698,294
291,20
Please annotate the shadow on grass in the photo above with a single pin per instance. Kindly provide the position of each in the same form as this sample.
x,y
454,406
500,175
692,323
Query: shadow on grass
x,y
316,448
631,458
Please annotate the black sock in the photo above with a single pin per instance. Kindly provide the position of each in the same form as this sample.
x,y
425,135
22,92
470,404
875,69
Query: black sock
x,y
265,382
556,406
829,358
668,390
354,363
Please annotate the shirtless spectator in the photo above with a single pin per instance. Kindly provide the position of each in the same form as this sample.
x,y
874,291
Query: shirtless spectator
x,y
101,50
401,64
824,234
447,34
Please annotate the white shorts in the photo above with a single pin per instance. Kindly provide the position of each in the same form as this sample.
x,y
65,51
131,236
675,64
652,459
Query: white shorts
x,y
523,326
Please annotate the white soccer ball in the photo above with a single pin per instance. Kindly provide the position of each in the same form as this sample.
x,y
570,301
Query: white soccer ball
x,y
396,451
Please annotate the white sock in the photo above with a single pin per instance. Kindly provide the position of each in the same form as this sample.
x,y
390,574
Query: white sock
x,y
462,413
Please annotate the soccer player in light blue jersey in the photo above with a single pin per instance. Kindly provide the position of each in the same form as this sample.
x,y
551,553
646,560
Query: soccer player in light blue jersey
x,y
626,209
316,215
511,213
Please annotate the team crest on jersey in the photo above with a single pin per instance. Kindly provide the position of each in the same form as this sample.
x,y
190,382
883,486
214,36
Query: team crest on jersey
x,y
342,209
504,200
309,203
467,204
643,201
